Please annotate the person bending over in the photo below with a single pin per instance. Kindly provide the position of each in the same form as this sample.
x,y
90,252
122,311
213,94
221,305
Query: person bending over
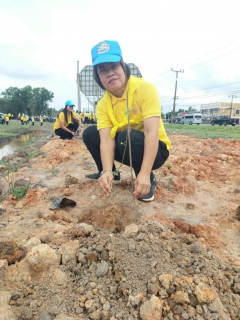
x,y
67,122
125,94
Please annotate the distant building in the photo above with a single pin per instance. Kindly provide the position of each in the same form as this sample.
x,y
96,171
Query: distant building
x,y
214,109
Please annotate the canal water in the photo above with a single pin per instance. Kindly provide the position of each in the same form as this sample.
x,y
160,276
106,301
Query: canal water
x,y
16,144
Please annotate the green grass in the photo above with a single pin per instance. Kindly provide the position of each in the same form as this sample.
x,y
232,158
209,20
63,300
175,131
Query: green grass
x,y
19,192
54,171
15,129
204,131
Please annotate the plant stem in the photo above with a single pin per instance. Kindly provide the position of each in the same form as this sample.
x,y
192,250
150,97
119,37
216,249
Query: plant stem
x,y
129,143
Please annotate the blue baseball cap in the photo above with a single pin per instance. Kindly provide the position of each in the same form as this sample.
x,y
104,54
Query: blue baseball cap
x,y
106,51
69,103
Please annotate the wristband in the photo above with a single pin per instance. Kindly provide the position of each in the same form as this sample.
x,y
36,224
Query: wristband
x,y
102,172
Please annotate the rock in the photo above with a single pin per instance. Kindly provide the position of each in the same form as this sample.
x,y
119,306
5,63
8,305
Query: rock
x,y
69,251
2,210
203,293
151,309
70,180
88,228
165,280
59,277
3,168
10,251
3,274
44,316
181,297
5,309
130,230
41,258
134,301
32,243
102,269
153,288
237,287
21,183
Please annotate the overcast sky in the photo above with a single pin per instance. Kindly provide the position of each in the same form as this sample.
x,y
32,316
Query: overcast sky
x,y
42,40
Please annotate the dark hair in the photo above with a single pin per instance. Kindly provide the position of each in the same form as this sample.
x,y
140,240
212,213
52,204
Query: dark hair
x,y
125,67
65,114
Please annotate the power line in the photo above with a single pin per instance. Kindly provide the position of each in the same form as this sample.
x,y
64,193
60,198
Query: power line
x,y
226,45
212,75
210,94
213,59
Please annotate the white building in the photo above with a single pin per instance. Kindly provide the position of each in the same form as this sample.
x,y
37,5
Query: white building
x,y
214,109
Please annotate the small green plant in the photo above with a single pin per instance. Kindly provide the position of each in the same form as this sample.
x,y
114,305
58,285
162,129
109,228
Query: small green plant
x,y
33,154
54,171
19,192
11,167
10,181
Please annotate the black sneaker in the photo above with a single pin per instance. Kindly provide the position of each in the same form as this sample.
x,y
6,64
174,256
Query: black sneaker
x,y
150,196
96,176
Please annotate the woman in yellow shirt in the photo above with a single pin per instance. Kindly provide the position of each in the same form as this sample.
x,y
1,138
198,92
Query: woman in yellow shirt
x,y
125,95
67,122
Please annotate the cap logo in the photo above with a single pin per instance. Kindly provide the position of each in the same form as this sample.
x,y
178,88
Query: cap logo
x,y
103,47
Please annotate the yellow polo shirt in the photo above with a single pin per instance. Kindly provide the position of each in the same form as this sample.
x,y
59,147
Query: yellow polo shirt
x,y
143,103
61,118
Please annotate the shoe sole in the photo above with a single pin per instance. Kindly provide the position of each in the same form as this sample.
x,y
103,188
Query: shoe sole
x,y
147,200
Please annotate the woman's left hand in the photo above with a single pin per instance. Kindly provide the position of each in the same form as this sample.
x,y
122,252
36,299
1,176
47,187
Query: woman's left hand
x,y
142,185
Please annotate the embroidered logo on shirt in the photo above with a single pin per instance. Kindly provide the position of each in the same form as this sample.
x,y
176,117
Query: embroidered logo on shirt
x,y
103,47
134,110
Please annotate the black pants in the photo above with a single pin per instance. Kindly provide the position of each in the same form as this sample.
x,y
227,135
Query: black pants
x,y
91,139
67,135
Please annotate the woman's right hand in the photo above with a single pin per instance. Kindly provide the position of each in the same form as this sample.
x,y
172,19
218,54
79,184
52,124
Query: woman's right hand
x,y
105,182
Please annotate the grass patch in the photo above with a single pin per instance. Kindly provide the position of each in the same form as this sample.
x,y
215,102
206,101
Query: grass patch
x,y
15,128
54,171
204,131
11,167
19,192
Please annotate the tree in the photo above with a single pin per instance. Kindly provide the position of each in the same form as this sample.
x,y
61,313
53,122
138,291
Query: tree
x,y
42,96
10,92
33,101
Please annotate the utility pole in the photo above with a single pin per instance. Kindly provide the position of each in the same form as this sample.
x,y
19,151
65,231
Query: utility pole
x,y
174,99
231,108
78,88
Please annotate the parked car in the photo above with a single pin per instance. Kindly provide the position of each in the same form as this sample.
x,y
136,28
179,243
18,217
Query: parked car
x,y
206,119
1,114
224,120
177,120
192,118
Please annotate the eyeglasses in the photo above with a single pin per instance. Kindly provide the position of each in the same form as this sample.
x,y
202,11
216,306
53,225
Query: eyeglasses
x,y
103,71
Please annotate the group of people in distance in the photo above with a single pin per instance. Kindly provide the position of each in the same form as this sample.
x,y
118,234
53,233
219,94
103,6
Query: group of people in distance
x,y
5,118
127,101
25,119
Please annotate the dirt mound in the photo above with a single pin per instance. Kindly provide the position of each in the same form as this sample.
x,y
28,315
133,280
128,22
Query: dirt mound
x,y
175,258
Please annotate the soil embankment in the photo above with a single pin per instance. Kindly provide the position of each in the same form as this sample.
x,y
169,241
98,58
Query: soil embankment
x,y
175,258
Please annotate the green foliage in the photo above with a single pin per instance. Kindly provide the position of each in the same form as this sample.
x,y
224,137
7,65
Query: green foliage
x,y
19,192
32,101
54,171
